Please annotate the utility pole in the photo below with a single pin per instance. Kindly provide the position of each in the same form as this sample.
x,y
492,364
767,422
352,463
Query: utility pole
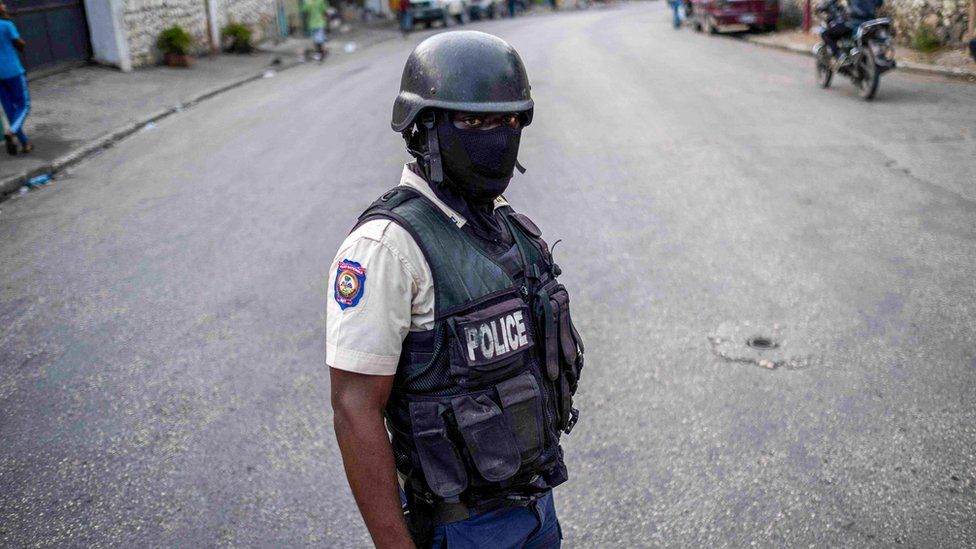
x,y
213,33
972,19
806,16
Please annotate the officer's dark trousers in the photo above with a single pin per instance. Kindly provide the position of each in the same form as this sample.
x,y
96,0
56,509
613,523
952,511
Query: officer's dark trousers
x,y
532,527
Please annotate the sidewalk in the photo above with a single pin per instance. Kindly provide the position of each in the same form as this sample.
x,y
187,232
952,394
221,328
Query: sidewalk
x,y
81,111
950,62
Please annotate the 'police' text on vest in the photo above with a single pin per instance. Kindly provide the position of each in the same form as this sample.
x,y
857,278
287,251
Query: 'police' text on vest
x,y
496,338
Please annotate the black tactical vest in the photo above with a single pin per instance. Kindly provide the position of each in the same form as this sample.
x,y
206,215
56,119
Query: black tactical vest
x,y
479,402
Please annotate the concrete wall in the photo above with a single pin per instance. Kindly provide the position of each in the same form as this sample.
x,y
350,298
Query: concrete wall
x,y
109,43
948,18
259,15
143,20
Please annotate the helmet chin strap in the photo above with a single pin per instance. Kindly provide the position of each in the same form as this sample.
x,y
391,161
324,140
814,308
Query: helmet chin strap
x,y
433,154
519,166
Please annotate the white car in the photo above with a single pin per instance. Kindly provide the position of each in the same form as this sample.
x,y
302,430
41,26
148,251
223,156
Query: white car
x,y
445,11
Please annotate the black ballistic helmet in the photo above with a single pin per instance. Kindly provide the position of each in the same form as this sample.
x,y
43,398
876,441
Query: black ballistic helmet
x,y
467,71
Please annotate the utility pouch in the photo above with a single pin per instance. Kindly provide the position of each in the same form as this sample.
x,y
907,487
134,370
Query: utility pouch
x,y
570,344
488,436
490,344
563,349
439,458
549,331
521,400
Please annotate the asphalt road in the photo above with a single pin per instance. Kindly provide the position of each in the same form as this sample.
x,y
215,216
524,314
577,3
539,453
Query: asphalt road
x,y
162,307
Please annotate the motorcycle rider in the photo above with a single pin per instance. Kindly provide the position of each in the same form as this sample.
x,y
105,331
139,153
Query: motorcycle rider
x,y
859,11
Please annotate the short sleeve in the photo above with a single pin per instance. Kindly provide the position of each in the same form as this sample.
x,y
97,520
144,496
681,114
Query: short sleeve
x,y
12,30
369,303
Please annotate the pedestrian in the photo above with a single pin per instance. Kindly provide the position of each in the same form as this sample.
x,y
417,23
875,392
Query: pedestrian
x,y
404,15
13,84
676,7
511,8
447,321
317,13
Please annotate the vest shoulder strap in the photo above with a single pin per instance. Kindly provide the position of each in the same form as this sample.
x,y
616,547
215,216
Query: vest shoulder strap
x,y
528,238
462,272
384,204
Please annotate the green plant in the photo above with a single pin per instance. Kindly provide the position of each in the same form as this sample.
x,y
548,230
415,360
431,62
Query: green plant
x,y
239,36
175,40
925,39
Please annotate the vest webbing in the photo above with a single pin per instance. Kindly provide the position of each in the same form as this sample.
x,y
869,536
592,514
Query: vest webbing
x,y
462,271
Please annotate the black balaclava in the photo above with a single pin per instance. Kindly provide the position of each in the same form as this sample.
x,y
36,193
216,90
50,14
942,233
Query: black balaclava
x,y
467,183
478,163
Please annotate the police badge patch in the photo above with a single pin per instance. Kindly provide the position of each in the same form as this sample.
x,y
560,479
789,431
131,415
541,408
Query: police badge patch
x,y
349,283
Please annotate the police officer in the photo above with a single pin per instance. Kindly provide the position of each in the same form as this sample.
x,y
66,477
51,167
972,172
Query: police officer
x,y
452,353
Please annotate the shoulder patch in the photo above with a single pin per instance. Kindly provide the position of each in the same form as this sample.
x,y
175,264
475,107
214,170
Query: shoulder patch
x,y
350,283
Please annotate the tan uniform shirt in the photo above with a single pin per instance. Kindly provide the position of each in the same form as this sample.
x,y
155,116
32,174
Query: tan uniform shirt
x,y
380,288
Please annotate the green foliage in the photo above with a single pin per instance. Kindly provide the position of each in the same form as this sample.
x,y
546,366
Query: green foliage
x,y
925,39
239,36
175,40
238,32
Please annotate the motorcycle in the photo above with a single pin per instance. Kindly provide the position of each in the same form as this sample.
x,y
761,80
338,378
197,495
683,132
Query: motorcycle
x,y
869,51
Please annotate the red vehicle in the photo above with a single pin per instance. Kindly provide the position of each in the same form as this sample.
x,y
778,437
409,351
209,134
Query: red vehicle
x,y
709,15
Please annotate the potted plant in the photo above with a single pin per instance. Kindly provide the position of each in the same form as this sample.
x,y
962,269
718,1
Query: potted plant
x,y
176,44
239,37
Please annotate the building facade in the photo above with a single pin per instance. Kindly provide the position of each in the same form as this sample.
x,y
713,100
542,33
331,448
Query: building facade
x,y
123,33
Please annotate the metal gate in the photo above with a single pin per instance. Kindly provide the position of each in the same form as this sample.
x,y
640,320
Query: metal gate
x,y
56,31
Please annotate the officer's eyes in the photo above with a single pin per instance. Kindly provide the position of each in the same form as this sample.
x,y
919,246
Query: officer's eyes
x,y
473,122
511,120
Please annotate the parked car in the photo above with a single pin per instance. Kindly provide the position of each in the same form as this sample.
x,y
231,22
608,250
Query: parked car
x,y
710,15
486,9
445,11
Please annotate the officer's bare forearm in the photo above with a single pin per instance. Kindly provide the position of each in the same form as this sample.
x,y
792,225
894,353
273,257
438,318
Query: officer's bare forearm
x,y
358,402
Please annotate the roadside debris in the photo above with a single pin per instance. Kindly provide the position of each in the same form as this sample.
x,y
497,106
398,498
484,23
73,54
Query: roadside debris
x,y
37,181
269,74
350,47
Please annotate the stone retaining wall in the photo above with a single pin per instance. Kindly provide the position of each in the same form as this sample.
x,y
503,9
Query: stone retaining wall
x,y
145,19
259,15
949,19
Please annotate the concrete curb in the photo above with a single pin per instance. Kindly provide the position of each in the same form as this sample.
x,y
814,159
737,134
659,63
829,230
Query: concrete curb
x,y
907,66
13,183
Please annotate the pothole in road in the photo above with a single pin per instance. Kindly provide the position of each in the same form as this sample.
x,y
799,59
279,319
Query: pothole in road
x,y
761,343
768,345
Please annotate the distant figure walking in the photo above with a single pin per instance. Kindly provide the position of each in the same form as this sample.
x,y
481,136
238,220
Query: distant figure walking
x,y
13,83
404,14
676,6
317,13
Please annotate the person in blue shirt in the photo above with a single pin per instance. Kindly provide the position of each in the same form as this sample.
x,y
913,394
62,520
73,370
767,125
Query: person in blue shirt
x,y
13,83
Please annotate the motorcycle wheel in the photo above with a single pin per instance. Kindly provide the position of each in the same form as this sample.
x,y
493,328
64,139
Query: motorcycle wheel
x,y
868,75
824,72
